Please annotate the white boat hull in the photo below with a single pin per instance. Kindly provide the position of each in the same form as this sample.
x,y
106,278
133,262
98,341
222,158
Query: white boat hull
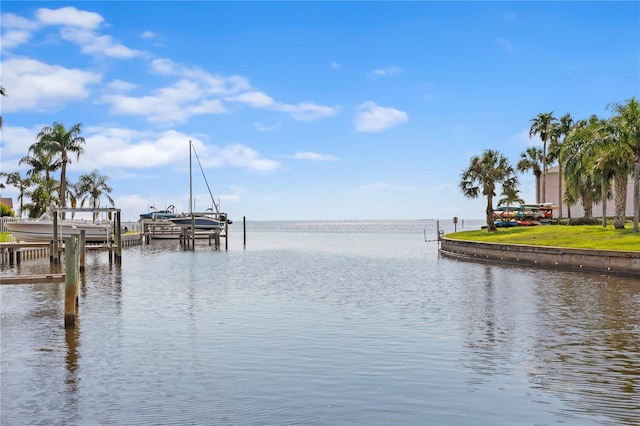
x,y
43,230
200,223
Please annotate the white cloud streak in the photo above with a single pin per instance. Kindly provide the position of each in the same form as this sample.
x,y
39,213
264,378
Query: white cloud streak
x,y
38,86
373,118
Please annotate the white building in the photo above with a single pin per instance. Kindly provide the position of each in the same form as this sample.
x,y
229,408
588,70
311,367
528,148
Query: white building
x,y
551,195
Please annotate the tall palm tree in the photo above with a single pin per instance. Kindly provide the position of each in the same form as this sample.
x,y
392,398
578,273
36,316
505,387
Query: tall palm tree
x,y
626,119
542,125
558,134
581,183
482,176
531,159
614,161
62,143
93,186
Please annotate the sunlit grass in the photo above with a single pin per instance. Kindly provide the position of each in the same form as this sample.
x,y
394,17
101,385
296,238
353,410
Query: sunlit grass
x,y
587,236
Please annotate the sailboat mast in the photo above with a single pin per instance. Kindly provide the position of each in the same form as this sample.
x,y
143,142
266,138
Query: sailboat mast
x,y
190,182
193,217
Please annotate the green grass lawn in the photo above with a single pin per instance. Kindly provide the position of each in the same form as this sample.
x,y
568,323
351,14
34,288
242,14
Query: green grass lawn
x,y
586,236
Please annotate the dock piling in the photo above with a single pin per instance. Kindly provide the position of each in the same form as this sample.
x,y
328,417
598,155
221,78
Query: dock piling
x,y
72,266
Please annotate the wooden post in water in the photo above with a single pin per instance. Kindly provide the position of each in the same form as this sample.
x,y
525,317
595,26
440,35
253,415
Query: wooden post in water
x,y
83,241
72,264
118,236
244,231
56,250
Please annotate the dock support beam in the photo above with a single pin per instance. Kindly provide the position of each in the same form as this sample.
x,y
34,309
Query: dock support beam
x,y
72,266
55,253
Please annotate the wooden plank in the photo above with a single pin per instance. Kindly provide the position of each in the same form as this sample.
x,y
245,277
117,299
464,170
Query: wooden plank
x,y
32,279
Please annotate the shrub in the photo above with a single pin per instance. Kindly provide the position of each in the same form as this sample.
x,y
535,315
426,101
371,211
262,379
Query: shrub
x,y
584,221
6,211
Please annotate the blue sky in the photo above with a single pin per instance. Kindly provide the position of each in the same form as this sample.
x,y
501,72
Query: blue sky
x,y
306,110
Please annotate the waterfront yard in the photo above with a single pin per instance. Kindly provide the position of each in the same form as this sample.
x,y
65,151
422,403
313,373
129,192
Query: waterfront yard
x,y
586,236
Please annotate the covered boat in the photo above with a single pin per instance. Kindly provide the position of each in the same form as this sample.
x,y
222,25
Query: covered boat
x,y
42,229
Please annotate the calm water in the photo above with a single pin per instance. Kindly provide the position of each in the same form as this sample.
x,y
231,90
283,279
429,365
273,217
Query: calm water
x,y
321,323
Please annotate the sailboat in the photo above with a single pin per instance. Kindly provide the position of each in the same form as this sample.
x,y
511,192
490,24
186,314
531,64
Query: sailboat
x,y
211,220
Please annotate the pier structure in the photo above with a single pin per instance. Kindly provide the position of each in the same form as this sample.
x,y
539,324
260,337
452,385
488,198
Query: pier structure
x,y
165,229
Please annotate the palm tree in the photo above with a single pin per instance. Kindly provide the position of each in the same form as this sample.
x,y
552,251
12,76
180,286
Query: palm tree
x,y
627,122
3,93
482,176
40,196
62,142
510,196
22,184
613,160
41,160
93,186
558,134
531,159
575,155
542,125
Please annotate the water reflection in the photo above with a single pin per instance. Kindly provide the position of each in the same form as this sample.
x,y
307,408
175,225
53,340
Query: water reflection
x,y
72,380
324,329
581,334
587,347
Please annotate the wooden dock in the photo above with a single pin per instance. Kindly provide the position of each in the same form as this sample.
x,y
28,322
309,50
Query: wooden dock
x,y
14,252
32,279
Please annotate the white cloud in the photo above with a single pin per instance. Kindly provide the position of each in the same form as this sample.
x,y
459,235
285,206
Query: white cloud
x,y
13,38
312,156
174,104
253,99
94,44
307,111
121,148
69,16
15,143
335,65
34,85
238,89
212,84
373,118
148,34
10,20
382,72
239,155
120,86
126,148
304,111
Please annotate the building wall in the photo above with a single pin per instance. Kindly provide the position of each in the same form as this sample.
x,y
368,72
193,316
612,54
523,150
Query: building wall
x,y
577,210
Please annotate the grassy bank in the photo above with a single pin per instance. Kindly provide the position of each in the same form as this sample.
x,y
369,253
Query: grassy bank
x,y
588,236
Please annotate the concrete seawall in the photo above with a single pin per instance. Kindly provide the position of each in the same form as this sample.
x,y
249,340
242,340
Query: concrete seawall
x,y
626,263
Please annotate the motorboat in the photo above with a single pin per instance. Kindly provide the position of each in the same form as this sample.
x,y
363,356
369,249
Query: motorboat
x,y
160,214
42,229
214,221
